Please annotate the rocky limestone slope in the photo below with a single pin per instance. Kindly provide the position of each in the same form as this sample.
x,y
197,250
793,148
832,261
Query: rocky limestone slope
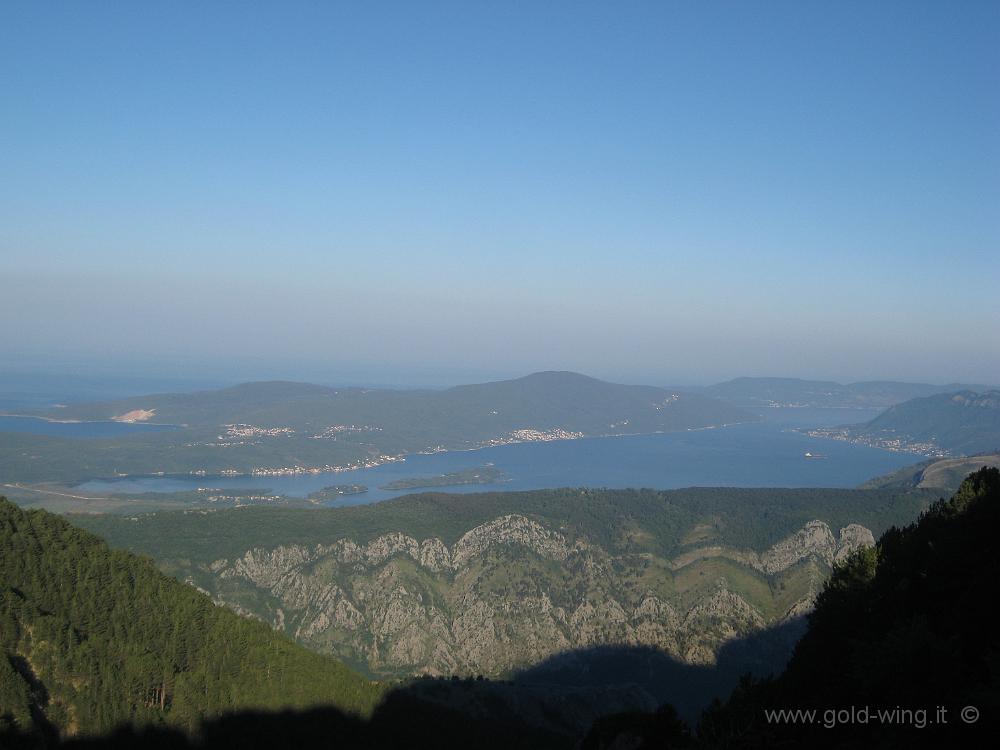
x,y
513,591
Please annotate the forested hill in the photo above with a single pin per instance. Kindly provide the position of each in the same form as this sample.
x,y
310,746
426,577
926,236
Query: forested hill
x,y
543,400
93,638
961,423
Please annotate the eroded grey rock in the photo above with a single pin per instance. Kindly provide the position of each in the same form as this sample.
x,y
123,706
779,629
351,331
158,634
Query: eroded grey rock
x,y
512,592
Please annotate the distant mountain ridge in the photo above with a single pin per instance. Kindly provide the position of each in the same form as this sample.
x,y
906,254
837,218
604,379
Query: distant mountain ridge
x,y
544,399
772,392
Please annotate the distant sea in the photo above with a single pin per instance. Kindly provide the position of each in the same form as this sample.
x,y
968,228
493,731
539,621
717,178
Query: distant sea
x,y
765,454
20,392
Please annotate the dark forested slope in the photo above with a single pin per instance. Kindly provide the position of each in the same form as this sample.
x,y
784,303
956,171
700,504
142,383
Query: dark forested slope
x,y
93,638
908,624
902,649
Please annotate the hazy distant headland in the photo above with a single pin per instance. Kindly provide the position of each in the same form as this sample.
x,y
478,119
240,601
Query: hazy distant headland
x,y
794,392
945,424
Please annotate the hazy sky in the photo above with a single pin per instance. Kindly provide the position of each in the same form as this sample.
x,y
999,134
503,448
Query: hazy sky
x,y
422,192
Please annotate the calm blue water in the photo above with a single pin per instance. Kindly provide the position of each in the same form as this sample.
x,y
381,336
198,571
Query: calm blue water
x,y
766,454
38,426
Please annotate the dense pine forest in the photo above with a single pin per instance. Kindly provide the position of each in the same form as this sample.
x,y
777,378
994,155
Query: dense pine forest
x,y
94,638
909,624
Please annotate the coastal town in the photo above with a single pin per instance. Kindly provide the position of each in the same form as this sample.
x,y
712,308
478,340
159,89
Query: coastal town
x,y
525,435
531,435
288,471
887,442
251,431
291,471
337,430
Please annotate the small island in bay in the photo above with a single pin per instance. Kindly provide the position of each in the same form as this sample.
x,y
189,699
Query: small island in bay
x,y
488,474
337,491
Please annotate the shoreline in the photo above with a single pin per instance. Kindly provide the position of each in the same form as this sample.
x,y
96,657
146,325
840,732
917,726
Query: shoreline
x,y
290,485
400,458
403,457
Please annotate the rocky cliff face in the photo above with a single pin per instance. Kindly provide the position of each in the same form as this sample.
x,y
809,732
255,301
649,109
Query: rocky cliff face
x,y
512,592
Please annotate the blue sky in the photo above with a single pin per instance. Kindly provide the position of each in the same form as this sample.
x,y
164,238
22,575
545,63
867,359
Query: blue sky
x,y
425,192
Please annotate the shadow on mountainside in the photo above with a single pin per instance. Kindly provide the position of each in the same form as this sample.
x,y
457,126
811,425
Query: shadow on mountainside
x,y
689,688
550,705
